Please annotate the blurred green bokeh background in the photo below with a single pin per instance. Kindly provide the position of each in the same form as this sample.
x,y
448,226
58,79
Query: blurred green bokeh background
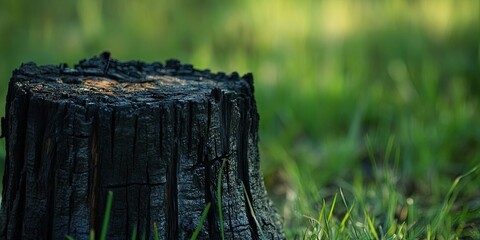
x,y
330,76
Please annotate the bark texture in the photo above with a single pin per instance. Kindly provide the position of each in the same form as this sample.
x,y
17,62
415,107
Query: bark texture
x,y
155,135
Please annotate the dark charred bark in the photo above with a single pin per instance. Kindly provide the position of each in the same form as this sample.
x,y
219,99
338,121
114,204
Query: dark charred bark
x,y
154,135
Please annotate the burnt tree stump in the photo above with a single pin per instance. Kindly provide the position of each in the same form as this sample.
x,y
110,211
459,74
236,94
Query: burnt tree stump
x,y
155,135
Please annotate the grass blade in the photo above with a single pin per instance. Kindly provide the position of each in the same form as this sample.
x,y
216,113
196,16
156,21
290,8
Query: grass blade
x,y
371,225
449,200
253,212
106,217
134,233
200,224
155,231
345,218
219,200
332,208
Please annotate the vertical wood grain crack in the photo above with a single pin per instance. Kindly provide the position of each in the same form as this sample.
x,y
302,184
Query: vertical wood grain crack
x,y
242,158
172,183
94,185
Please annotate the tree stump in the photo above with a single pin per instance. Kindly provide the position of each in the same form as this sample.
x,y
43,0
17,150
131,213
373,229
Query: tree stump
x,y
155,135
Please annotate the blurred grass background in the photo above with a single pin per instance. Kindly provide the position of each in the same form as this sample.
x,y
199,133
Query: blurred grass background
x,y
336,81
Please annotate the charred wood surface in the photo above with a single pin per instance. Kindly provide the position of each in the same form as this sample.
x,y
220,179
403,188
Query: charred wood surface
x,y
155,135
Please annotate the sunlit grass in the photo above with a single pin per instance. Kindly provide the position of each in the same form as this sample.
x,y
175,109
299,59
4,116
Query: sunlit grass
x,y
377,210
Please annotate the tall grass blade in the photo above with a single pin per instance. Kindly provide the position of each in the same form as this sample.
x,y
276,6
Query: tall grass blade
x,y
371,154
262,236
321,217
200,224
322,211
347,215
219,200
450,199
106,217
345,218
134,233
330,214
155,231
388,151
370,225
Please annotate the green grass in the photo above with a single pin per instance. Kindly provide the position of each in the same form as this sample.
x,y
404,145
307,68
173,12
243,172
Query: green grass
x,y
378,99
155,231
200,223
106,220
395,219
219,200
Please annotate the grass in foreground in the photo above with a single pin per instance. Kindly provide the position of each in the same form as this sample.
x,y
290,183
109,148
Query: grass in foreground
x,y
386,214
378,208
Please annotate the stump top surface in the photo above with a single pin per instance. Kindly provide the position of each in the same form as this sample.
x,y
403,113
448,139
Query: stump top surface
x,y
102,79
